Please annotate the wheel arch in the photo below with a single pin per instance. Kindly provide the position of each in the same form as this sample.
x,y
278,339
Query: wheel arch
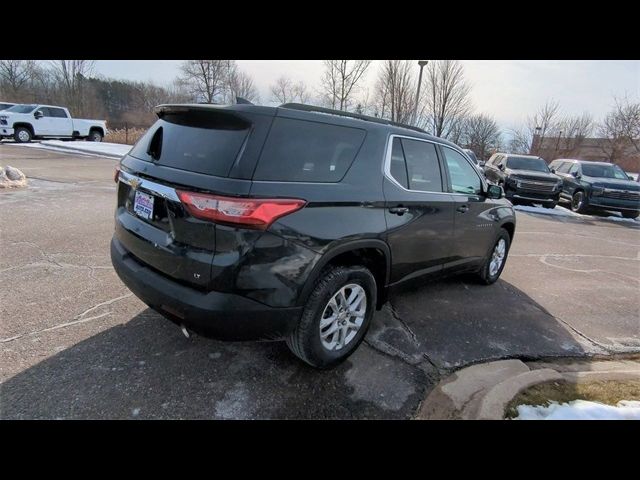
x,y
373,254
510,227
26,125
97,129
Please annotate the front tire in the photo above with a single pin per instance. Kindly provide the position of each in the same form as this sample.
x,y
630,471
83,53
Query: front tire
x,y
22,135
496,259
94,136
630,214
336,317
579,202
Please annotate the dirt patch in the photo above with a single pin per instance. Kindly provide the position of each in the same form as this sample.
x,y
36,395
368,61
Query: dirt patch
x,y
607,392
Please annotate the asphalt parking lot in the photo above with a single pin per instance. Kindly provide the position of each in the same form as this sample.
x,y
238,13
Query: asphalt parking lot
x,y
77,344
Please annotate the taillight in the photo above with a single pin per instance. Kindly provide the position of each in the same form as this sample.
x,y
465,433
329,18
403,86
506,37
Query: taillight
x,y
256,213
116,174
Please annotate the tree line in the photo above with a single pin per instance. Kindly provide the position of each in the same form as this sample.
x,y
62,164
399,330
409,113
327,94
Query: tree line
x,y
444,107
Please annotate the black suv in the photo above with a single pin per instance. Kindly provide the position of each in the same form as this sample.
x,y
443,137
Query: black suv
x,y
526,179
292,222
597,185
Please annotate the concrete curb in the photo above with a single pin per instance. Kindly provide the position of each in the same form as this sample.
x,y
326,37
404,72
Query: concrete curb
x,y
494,402
482,392
85,152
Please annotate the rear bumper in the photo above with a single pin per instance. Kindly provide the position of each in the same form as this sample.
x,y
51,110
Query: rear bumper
x,y
215,314
6,132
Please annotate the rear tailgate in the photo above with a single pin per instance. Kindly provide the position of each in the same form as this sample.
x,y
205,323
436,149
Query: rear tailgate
x,y
194,149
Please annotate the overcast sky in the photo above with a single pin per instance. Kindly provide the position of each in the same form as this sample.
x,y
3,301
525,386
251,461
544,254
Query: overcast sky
x,y
508,90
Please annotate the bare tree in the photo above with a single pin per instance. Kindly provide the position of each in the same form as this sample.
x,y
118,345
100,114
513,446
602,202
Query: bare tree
x,y
284,90
240,84
341,80
621,128
447,97
206,80
300,92
574,130
545,123
520,141
71,78
15,75
395,91
481,134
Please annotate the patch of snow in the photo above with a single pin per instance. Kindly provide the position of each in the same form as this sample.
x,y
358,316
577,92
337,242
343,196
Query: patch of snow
x,y
558,211
11,177
581,410
102,149
564,212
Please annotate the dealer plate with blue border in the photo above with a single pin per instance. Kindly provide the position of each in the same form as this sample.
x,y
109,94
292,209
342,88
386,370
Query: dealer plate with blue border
x,y
143,205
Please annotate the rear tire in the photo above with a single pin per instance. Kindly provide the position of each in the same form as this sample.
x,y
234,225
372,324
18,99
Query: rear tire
x,y
494,265
94,136
630,214
311,340
22,135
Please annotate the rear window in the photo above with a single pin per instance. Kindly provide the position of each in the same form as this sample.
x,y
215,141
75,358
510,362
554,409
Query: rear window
x,y
303,151
197,141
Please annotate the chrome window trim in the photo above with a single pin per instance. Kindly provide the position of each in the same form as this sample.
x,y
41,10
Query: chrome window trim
x,y
387,166
153,187
387,163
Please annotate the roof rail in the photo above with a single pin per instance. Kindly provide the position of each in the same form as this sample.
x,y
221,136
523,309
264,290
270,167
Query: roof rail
x,y
330,111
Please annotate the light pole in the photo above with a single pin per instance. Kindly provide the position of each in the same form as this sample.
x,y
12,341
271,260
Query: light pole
x,y
422,63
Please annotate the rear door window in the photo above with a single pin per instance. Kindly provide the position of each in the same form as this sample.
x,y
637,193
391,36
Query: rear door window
x,y
304,151
423,169
206,142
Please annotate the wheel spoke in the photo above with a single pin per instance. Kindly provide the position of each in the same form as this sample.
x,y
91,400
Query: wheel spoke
x,y
332,329
327,321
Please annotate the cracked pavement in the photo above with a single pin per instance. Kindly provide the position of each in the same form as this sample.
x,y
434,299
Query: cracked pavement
x,y
75,343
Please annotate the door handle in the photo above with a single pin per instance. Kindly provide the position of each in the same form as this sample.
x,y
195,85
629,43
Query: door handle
x,y
399,210
462,208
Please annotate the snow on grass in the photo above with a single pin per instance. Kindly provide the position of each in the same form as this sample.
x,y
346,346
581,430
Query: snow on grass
x,y
564,212
102,149
580,410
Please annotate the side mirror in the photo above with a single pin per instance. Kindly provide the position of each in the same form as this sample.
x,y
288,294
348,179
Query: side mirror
x,y
495,191
552,170
576,174
501,166
481,164
38,114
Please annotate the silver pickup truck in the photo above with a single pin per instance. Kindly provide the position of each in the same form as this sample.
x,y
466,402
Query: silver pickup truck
x,y
24,123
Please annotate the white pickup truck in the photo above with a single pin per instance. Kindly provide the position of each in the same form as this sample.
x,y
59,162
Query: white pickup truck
x,y
27,122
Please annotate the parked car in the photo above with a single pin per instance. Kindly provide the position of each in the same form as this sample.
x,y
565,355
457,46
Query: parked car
x,y
597,185
5,105
27,122
292,222
526,179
